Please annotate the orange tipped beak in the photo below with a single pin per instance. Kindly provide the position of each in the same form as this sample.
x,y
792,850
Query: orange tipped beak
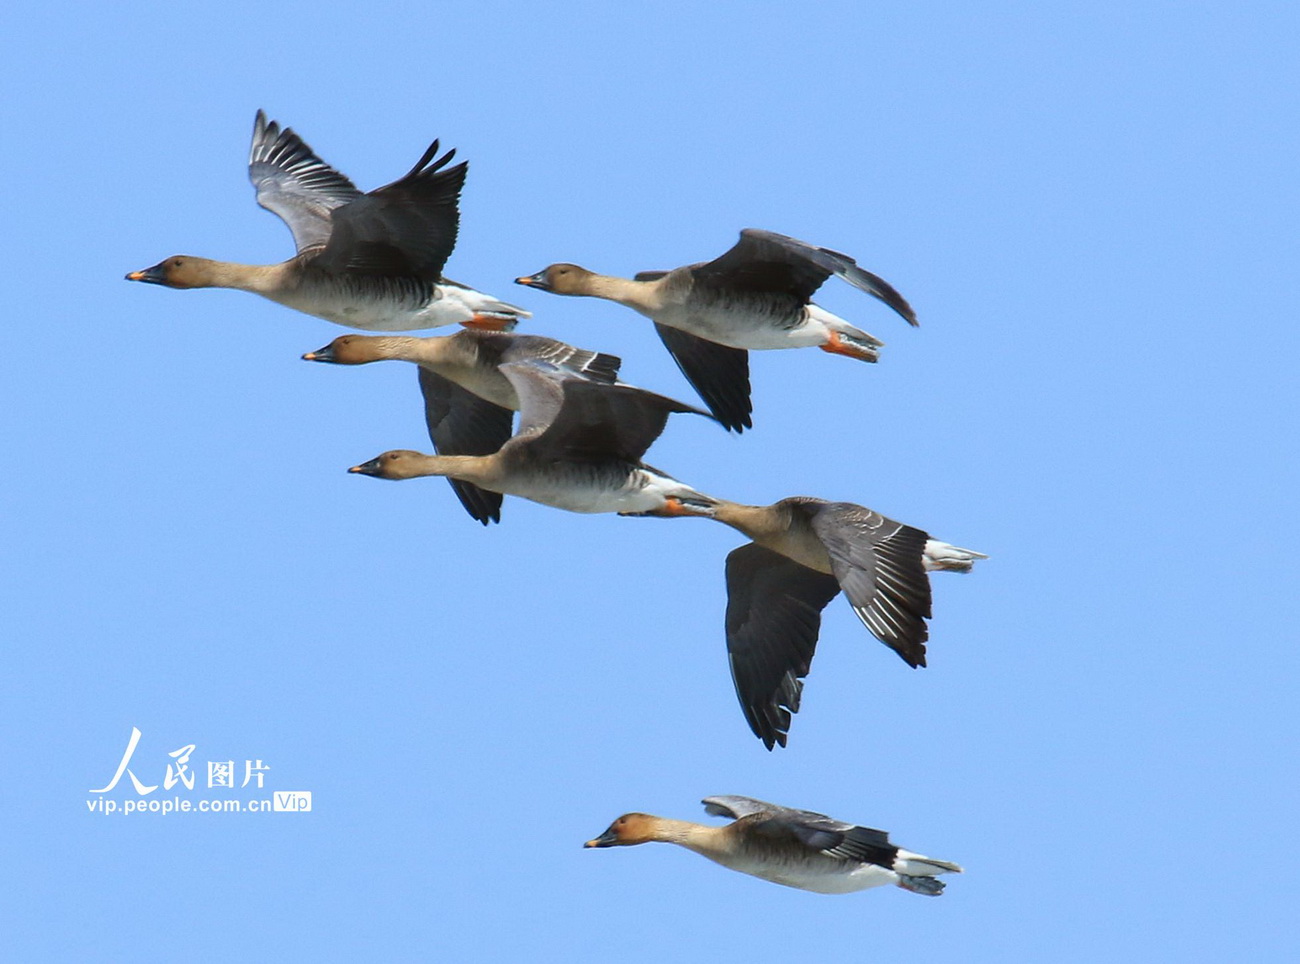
x,y
534,281
607,839
135,276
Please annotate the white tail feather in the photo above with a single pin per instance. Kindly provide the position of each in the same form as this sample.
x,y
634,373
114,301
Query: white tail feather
x,y
940,556
916,865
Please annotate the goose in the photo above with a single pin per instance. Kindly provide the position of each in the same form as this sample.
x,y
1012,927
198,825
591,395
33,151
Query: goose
x,y
370,261
469,404
804,552
756,296
796,848
578,447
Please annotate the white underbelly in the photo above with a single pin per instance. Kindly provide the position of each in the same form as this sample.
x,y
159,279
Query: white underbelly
x,y
860,878
375,315
739,328
640,491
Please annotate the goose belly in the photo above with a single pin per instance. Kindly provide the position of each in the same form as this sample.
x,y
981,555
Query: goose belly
x,y
742,325
371,313
862,877
812,872
591,488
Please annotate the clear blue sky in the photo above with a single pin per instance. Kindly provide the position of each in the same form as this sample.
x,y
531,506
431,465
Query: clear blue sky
x,y
1092,207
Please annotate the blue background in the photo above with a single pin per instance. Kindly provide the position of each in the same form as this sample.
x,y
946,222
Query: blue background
x,y
1092,207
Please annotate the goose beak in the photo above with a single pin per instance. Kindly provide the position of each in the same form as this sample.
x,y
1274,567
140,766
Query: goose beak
x,y
153,276
606,839
367,468
325,354
537,281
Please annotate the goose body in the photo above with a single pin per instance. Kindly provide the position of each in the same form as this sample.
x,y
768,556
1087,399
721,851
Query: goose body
x,y
371,261
795,848
471,358
468,400
578,447
804,552
755,296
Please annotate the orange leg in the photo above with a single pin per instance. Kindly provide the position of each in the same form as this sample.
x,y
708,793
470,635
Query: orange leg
x,y
671,509
837,345
490,323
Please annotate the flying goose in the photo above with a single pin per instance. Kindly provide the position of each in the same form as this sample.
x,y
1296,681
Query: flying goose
x,y
578,447
757,295
469,403
369,261
796,848
804,552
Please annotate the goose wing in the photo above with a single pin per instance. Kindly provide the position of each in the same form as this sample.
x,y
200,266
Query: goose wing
x,y
404,230
294,184
595,365
814,831
774,264
566,416
461,423
831,837
719,373
879,565
735,807
774,608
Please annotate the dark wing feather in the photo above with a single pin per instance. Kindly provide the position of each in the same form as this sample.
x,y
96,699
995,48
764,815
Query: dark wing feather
x,y
572,418
764,261
760,264
774,607
461,423
840,265
718,372
405,229
294,184
826,835
595,365
735,807
879,565
865,844
836,839
495,348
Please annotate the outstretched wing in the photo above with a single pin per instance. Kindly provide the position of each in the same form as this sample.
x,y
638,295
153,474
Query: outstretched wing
x,y
294,184
735,807
568,416
833,838
816,831
406,229
461,423
879,565
719,373
773,263
774,608
595,365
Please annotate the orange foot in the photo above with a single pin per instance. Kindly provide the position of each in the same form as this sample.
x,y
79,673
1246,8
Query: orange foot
x,y
837,345
671,509
491,323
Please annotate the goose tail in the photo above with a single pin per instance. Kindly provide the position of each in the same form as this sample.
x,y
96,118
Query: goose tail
x,y
942,557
